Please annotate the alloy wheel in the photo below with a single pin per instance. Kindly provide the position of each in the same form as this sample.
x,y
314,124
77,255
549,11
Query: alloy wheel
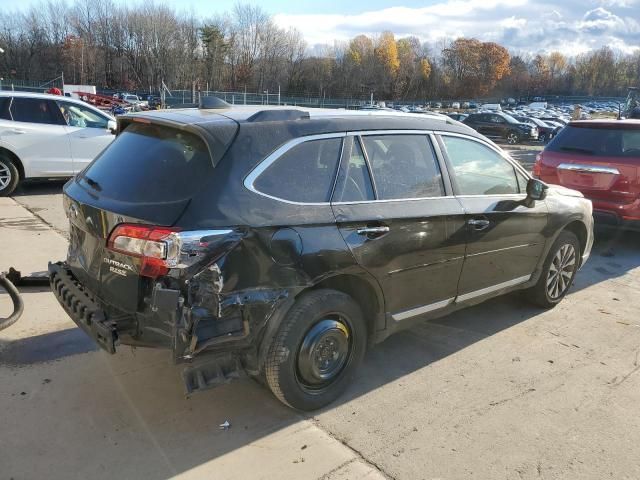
x,y
512,139
5,175
561,271
324,353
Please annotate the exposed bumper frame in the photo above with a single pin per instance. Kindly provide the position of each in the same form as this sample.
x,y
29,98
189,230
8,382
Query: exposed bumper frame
x,y
81,307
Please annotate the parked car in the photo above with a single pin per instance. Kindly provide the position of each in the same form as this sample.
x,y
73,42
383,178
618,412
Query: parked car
x,y
46,136
284,242
501,126
545,131
491,107
457,116
600,158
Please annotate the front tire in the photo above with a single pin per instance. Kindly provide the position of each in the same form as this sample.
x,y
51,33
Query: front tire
x,y
9,176
317,350
558,271
513,138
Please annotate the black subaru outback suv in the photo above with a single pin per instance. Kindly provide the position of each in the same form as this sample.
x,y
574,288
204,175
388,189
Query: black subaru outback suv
x,y
282,243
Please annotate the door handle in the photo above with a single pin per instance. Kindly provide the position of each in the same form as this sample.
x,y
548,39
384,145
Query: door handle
x,y
372,230
18,131
478,223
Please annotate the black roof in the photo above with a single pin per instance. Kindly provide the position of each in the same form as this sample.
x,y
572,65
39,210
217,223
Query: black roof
x,y
308,120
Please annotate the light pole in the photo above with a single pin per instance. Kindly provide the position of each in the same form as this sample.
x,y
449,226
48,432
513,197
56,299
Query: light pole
x,y
1,51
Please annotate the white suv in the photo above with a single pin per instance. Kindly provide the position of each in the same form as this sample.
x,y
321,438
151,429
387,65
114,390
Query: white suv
x,y
46,136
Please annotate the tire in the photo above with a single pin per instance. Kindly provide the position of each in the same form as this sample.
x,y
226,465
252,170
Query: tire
x,y
565,249
9,176
314,335
513,138
543,138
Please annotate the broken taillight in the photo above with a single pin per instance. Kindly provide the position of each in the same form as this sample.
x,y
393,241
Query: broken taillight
x,y
149,243
164,248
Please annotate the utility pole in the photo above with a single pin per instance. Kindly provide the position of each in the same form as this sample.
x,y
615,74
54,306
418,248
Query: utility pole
x,y
372,99
278,94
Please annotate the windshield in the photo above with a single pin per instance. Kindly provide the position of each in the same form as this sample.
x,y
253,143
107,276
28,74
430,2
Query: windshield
x,y
509,118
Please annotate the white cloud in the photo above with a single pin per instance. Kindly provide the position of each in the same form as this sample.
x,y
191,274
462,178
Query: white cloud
x,y
571,26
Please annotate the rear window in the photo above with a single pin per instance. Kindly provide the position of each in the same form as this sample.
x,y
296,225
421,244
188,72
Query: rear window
x,y
597,142
150,164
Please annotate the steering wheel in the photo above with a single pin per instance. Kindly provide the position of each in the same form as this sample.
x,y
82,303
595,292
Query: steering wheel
x,y
357,187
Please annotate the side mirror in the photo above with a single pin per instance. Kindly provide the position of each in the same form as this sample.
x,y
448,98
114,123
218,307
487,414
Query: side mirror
x,y
536,190
112,126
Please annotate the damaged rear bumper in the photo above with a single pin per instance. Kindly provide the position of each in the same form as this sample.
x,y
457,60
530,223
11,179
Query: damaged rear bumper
x,y
82,307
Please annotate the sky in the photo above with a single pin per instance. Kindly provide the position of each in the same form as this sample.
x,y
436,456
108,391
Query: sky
x,y
523,26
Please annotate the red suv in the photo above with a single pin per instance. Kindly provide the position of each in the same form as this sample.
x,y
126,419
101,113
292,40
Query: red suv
x,y
601,159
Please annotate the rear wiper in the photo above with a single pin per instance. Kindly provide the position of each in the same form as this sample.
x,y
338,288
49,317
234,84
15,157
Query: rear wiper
x,y
92,183
577,149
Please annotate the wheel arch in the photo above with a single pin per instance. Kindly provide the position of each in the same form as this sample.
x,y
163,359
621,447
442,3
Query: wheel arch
x,y
15,159
579,229
365,291
368,297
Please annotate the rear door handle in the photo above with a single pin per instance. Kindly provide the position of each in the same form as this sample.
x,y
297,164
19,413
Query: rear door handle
x,y
373,230
478,223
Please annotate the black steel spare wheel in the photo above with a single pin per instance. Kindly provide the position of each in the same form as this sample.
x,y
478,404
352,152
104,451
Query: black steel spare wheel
x,y
317,349
324,352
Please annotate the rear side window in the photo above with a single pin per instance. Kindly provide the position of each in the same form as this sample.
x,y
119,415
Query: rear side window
x,y
354,182
478,170
150,164
304,173
403,166
597,142
35,110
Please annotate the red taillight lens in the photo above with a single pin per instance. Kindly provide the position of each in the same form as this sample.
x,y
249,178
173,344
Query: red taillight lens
x,y
537,167
143,241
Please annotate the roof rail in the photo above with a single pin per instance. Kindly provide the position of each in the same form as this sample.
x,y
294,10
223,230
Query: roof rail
x,y
278,115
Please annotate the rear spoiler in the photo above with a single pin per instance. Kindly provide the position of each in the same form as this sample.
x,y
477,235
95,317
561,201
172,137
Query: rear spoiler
x,y
218,133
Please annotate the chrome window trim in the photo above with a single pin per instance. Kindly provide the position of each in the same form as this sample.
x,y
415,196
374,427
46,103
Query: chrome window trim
x,y
581,167
493,288
364,133
276,154
493,147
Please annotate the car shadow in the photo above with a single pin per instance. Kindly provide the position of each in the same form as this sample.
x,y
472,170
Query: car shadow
x,y
40,187
615,253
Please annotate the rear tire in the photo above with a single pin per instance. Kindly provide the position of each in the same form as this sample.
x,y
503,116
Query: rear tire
x,y
9,176
317,350
558,272
543,138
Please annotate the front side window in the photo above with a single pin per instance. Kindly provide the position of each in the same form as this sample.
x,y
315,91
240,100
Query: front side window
x,y
403,166
478,170
304,174
34,110
79,116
